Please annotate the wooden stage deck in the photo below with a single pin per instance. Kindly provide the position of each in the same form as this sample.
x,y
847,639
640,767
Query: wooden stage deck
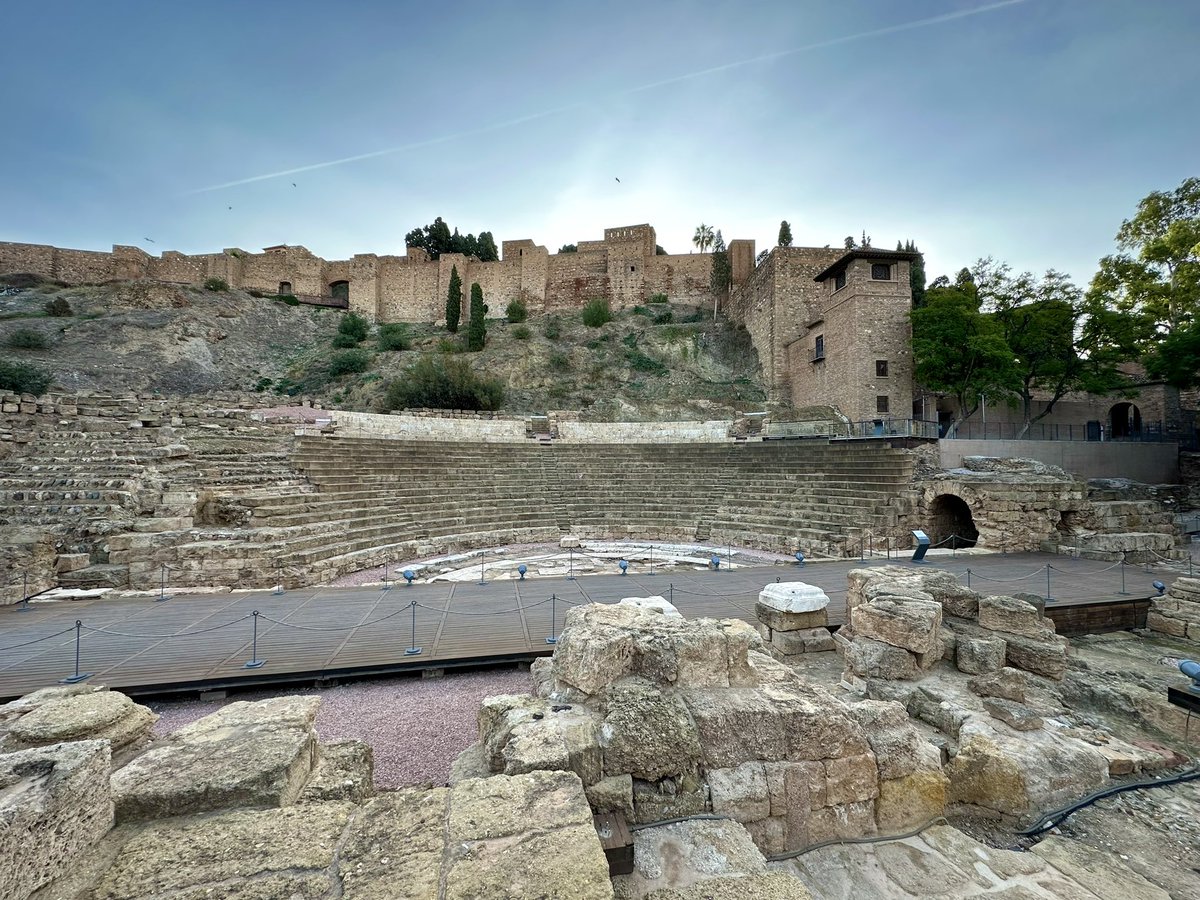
x,y
203,641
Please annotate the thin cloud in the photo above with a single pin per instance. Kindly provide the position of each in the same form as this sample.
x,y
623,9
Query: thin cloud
x,y
688,76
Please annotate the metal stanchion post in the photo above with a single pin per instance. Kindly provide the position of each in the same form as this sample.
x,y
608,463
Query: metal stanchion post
x,y
255,662
413,649
387,585
671,588
24,607
651,559
553,639
78,676
1123,591
968,578
1048,597
482,557
571,564
162,586
278,578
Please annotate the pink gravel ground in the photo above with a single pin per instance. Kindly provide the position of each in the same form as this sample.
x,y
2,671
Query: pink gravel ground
x,y
416,726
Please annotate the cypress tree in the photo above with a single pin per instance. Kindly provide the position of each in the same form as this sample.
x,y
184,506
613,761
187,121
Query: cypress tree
x,y
476,327
454,301
785,234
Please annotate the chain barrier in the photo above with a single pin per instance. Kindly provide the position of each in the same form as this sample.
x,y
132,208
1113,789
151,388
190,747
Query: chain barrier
x,y
104,630
36,640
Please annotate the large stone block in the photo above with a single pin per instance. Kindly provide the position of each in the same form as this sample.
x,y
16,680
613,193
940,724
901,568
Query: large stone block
x,y
909,624
809,640
868,658
247,754
1046,656
851,779
1013,616
52,715
911,800
977,656
792,606
894,739
740,792
646,733
54,806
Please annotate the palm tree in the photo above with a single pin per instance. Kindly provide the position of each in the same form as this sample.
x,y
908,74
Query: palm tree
x,y
703,237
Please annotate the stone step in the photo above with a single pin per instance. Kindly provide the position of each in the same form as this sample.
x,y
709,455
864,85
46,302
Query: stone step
x,y
96,576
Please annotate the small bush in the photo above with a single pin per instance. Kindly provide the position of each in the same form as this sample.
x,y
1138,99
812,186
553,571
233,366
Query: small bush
x,y
449,345
436,382
24,378
597,312
516,311
521,333
343,341
253,292
552,329
393,338
289,299
640,362
28,339
354,325
349,362
642,311
657,298
262,385
59,307
663,318
559,362
216,284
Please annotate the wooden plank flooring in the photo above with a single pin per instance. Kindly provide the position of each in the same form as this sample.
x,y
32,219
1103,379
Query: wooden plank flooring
x,y
206,639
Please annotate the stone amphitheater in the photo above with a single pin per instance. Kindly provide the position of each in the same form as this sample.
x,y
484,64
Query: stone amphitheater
x,y
942,742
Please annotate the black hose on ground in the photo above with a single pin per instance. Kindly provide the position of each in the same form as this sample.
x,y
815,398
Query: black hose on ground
x,y
1050,820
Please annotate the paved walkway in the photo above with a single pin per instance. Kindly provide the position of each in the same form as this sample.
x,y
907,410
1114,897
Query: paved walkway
x,y
206,639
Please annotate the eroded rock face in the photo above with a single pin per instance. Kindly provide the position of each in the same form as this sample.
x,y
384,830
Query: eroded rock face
x,y
1177,613
246,754
54,806
75,713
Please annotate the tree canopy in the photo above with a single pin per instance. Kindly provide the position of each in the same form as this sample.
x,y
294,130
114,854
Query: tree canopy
x,y
436,239
454,301
703,238
476,324
785,234
721,275
1148,294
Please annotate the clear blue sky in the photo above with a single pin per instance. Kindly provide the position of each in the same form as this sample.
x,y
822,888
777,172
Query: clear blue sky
x,y
1025,130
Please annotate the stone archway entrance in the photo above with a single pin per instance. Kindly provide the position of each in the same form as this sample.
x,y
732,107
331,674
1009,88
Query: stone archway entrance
x,y
340,290
950,520
1124,421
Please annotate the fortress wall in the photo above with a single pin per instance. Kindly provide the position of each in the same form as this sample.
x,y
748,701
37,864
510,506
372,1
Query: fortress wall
x,y
575,278
499,281
409,292
35,258
364,286
684,278
423,428
535,270
173,266
715,432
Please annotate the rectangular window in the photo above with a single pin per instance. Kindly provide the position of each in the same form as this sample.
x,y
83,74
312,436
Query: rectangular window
x,y
881,403
881,368
839,280
881,272
819,348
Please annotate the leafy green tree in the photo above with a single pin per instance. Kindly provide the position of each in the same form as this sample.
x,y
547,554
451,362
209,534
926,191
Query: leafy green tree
x,y
916,272
595,313
476,325
785,234
703,238
348,362
721,275
850,243
1151,289
454,301
436,238
1177,359
436,381
487,251
24,378
516,311
569,248
659,251
957,350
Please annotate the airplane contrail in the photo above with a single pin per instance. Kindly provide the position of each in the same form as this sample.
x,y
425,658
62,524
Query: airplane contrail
x,y
687,76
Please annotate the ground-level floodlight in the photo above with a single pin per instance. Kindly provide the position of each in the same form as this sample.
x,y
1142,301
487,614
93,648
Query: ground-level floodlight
x,y
800,559
521,570
409,575
716,562
1159,586
622,565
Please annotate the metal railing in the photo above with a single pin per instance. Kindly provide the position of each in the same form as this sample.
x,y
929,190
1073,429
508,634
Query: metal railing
x,y
1150,432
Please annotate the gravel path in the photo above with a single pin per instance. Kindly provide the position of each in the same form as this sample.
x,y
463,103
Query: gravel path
x,y
416,726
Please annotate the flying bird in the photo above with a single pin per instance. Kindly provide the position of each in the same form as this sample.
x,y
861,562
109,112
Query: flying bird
x,y
151,240
618,180
293,184
230,207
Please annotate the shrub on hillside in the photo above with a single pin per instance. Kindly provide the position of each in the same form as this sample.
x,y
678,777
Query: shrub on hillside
x,y
344,341
289,299
349,362
59,307
657,298
439,382
552,329
24,378
597,312
516,311
216,284
27,339
521,333
355,326
394,337
558,362
254,292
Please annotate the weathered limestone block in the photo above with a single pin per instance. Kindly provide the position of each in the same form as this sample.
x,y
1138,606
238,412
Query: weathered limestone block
x,y
910,624
942,587
73,713
740,792
791,606
933,707
345,771
851,779
1008,683
1096,871
852,820
869,658
246,754
613,794
911,800
654,604
646,733
1046,656
808,640
541,673
54,806
894,739
670,799
1015,715
977,655
519,733
773,885
1013,616
772,723
522,837
471,763
676,857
